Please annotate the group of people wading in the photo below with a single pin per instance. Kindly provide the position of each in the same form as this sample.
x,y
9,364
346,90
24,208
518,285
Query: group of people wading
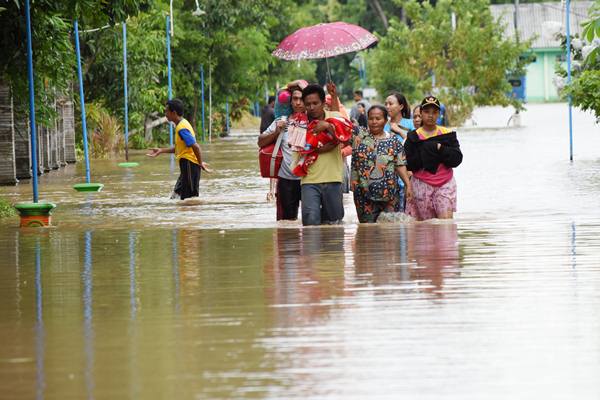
x,y
399,162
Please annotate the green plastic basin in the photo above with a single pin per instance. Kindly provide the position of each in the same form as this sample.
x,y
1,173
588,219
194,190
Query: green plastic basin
x,y
33,209
88,187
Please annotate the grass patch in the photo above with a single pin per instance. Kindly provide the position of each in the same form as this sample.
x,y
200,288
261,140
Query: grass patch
x,y
246,122
6,209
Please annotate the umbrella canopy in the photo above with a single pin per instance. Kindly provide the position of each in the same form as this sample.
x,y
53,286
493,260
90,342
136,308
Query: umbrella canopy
x,y
324,41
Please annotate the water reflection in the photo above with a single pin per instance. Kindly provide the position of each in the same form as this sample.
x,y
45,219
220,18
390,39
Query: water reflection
x,y
307,268
434,249
392,256
573,245
381,254
291,311
88,327
40,333
132,276
175,249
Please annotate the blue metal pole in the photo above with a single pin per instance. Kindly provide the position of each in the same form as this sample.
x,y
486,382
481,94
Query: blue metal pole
x,y
126,121
34,163
82,102
569,78
227,116
203,106
170,92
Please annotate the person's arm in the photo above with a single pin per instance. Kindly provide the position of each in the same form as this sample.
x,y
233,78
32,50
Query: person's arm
x,y
402,171
450,155
398,129
156,151
300,83
335,100
404,175
327,147
271,133
196,149
347,150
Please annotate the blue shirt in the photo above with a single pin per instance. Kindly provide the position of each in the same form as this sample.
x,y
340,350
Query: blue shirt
x,y
187,137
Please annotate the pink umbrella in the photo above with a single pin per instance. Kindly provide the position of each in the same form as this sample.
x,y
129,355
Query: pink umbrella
x,y
323,41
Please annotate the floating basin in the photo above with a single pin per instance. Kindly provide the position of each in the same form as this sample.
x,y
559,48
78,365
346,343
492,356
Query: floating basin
x,y
88,187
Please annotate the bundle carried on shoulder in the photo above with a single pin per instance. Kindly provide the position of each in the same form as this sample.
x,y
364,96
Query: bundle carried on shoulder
x,y
314,140
422,152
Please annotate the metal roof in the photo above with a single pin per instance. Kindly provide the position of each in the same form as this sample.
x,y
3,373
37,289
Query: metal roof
x,y
534,19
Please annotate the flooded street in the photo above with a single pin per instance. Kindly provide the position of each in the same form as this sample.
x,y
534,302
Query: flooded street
x,y
132,295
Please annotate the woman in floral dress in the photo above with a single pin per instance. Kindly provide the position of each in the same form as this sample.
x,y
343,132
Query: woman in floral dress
x,y
377,161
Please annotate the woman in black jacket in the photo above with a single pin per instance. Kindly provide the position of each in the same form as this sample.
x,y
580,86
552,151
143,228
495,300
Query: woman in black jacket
x,y
431,153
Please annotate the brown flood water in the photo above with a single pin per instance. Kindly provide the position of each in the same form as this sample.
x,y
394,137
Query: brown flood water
x,y
132,295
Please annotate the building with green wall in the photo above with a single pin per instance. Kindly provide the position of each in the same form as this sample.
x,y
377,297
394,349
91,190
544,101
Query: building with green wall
x,y
539,22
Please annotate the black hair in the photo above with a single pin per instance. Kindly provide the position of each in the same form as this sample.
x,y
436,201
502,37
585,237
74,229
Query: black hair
x,y
380,108
175,105
415,109
271,99
312,89
402,100
359,92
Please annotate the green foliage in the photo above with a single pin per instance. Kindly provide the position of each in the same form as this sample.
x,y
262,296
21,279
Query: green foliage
x,y
591,28
585,91
234,40
103,57
53,51
6,209
469,64
585,83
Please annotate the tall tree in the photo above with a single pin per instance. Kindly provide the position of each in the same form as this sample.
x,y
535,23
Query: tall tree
x,y
465,65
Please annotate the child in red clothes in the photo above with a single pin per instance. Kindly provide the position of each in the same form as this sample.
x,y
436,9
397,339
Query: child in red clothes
x,y
342,132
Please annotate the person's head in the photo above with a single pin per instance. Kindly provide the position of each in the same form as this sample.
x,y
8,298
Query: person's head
x,y
430,112
271,101
313,97
397,105
361,108
358,95
297,103
416,115
174,110
377,117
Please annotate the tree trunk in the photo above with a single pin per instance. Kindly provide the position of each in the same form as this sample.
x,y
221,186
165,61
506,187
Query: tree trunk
x,y
149,125
381,13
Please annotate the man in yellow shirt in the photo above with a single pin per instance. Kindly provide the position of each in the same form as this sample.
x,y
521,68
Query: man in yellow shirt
x,y
321,193
187,152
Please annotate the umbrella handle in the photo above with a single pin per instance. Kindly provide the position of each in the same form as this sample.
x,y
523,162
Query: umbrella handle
x,y
328,71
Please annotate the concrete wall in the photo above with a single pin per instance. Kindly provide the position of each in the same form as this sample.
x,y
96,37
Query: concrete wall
x,y
22,148
56,143
540,85
7,138
67,118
